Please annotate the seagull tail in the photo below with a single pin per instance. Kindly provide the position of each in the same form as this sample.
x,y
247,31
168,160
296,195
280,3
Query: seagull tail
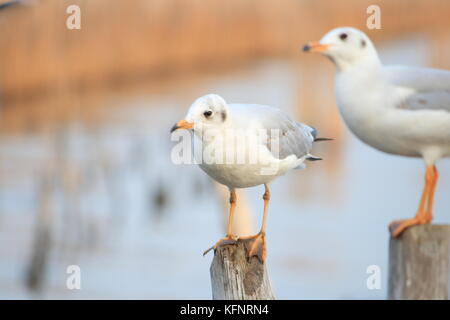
x,y
313,132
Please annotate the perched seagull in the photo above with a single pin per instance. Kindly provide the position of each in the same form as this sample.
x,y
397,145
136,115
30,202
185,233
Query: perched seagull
x,y
284,145
400,110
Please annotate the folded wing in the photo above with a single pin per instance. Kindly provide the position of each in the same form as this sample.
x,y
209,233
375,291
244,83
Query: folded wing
x,y
284,134
431,87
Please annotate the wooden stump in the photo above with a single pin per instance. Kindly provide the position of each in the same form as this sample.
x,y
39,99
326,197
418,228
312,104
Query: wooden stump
x,y
235,277
419,263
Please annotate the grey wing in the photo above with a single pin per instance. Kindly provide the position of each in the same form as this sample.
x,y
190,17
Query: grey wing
x,y
437,100
285,136
431,87
295,139
289,137
419,79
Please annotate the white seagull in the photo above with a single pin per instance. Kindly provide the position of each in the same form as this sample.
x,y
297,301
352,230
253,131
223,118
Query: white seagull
x,y
260,143
401,110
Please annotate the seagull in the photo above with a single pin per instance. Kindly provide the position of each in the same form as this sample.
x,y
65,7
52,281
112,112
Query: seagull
x,y
268,142
401,110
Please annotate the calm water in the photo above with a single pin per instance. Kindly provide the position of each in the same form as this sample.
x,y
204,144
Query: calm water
x,y
136,224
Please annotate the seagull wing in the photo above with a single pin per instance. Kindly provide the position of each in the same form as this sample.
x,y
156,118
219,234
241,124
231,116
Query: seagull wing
x,y
283,133
431,87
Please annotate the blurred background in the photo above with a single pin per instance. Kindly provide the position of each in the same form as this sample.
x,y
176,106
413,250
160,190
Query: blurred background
x,y
85,172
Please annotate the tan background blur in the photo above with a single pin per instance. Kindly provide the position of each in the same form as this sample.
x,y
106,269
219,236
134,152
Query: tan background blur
x,y
128,42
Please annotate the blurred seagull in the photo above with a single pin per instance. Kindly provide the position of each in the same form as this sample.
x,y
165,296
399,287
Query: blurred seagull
x,y
396,109
285,145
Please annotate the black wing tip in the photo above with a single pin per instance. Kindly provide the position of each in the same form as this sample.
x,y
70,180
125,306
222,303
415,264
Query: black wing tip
x,y
311,158
314,135
323,139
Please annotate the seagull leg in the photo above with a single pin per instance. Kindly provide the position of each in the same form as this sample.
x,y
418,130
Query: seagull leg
x,y
424,214
434,178
256,245
230,238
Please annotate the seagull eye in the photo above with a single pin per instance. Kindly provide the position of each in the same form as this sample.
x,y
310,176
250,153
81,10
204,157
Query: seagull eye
x,y
207,114
343,36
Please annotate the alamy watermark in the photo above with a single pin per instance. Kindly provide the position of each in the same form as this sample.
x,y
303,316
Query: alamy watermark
x,y
374,19
73,281
373,281
228,147
73,21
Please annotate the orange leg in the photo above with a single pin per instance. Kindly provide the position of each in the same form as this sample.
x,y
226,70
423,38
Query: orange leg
x,y
229,238
424,214
434,177
256,245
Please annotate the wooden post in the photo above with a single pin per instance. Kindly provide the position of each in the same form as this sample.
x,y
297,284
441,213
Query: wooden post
x,y
419,263
235,277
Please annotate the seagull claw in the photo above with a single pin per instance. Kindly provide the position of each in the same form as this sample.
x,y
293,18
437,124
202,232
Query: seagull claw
x,y
228,240
256,246
397,227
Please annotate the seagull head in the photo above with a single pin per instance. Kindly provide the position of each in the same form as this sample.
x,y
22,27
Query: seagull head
x,y
346,47
209,111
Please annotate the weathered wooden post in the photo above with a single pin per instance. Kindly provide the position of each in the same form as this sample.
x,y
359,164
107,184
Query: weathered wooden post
x,y
236,277
419,263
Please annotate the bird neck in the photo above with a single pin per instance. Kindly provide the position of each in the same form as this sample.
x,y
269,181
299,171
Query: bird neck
x,y
357,91
369,62
364,76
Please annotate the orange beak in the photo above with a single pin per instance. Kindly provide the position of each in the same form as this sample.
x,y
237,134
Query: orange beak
x,y
183,124
315,46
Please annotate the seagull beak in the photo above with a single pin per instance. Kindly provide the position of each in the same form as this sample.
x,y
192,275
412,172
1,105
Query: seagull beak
x,y
183,124
315,46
